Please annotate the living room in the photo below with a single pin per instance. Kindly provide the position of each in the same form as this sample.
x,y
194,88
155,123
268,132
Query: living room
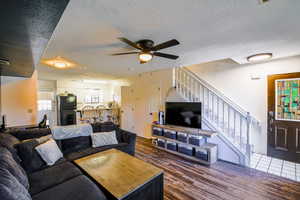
x,y
150,100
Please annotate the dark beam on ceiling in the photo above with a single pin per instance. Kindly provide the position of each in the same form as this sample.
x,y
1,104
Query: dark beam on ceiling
x,y
25,29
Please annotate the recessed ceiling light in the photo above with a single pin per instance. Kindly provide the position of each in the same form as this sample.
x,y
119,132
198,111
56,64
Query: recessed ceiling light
x,y
59,62
260,57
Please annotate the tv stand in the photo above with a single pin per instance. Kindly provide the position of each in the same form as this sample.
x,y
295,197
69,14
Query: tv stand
x,y
194,131
158,133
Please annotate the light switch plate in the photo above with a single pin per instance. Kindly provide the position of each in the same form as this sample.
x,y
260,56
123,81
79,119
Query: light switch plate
x,y
255,77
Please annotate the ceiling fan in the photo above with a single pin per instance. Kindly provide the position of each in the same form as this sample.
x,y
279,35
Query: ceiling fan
x,y
148,49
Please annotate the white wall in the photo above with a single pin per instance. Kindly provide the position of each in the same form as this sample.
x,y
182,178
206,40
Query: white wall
x,y
47,85
247,86
19,100
145,94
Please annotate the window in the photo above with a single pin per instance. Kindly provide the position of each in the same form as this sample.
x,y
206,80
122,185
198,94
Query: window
x,y
94,99
44,105
287,99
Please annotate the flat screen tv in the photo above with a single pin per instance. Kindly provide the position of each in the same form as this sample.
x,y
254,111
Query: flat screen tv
x,y
183,114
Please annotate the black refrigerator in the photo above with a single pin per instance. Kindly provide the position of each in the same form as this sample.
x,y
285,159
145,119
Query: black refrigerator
x,y
66,109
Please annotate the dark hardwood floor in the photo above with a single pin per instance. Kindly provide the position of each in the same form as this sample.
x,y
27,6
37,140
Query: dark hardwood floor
x,y
186,180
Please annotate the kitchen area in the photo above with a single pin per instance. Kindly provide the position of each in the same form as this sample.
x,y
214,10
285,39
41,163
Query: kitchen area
x,y
67,102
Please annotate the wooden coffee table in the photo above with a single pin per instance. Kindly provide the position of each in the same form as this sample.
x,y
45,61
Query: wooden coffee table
x,y
123,176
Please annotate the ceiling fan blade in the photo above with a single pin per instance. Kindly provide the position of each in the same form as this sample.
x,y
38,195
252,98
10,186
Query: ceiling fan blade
x,y
170,56
164,45
130,43
126,53
142,62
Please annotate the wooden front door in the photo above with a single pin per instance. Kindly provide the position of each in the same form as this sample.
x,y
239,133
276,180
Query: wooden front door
x,y
284,116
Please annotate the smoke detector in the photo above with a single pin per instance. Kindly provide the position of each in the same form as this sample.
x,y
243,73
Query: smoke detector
x,y
4,62
263,1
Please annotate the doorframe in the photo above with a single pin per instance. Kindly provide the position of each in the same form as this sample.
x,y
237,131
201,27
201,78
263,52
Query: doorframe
x,y
271,106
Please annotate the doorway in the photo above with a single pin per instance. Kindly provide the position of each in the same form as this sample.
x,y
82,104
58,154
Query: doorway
x,y
284,116
47,106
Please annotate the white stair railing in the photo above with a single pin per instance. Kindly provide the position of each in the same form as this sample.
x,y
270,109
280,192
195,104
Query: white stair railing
x,y
223,114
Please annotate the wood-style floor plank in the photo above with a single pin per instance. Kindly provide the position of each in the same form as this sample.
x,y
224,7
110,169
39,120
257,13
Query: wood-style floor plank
x,y
187,180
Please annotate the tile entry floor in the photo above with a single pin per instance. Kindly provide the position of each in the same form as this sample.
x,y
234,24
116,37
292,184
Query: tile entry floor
x,y
275,166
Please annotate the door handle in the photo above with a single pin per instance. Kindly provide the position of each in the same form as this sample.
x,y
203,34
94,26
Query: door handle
x,y
271,120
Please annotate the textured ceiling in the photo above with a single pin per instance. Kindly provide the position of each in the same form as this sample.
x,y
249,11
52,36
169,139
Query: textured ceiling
x,y
26,27
207,30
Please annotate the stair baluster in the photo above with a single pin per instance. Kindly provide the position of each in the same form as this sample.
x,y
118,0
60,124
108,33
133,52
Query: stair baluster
x,y
217,108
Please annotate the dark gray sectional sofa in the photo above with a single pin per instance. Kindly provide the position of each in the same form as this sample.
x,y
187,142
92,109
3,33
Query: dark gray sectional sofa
x,y
62,181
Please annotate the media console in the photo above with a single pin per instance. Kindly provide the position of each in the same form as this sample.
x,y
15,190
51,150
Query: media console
x,y
190,143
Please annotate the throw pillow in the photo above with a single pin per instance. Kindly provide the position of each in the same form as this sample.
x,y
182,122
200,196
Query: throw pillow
x,y
104,138
40,140
44,139
31,160
11,188
7,162
49,152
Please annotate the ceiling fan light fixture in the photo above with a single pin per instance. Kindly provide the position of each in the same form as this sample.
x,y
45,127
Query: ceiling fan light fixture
x,y
4,62
260,57
145,57
147,49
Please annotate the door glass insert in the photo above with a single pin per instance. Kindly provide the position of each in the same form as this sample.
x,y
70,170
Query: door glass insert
x,y
287,99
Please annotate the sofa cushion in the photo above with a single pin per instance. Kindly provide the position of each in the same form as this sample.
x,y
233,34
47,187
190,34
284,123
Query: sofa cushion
x,y
25,134
78,188
92,150
7,162
9,141
79,154
49,151
103,127
126,149
75,144
51,176
31,160
11,188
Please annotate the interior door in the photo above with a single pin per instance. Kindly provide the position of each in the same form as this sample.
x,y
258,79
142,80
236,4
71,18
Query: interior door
x,y
127,109
284,116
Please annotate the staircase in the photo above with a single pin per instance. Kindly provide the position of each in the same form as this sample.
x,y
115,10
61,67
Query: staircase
x,y
234,124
